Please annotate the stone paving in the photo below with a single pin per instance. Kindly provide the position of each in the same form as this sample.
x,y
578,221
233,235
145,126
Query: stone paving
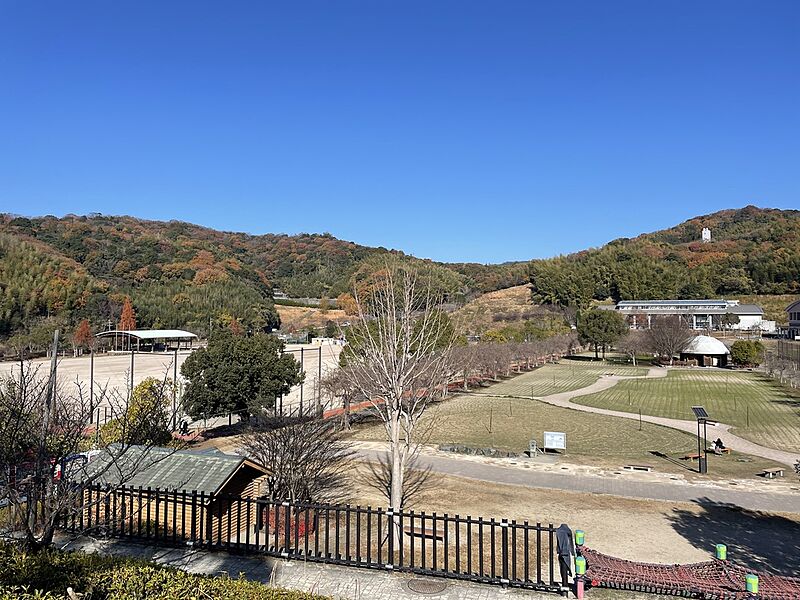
x,y
345,583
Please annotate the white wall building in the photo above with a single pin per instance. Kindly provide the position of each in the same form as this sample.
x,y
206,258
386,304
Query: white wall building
x,y
706,234
699,314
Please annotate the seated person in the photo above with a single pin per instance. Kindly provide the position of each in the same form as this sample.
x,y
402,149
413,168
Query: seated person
x,y
718,446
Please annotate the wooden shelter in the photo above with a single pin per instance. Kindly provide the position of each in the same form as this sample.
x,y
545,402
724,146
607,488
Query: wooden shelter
x,y
183,490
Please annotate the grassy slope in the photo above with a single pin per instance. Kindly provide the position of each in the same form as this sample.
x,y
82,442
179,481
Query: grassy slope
x,y
774,411
774,306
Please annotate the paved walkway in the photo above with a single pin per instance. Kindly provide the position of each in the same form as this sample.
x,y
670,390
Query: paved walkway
x,y
614,485
346,583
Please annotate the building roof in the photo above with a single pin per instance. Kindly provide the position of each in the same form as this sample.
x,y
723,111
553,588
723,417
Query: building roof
x,y
793,306
708,306
169,469
706,345
746,309
718,302
151,334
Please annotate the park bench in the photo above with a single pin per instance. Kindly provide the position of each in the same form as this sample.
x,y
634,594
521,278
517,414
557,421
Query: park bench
x,y
692,456
646,468
424,532
772,473
720,451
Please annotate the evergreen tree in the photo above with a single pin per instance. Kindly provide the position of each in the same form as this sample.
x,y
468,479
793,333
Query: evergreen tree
x,y
238,374
601,328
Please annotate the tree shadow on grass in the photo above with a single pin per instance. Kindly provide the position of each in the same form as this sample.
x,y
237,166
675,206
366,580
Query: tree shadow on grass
x,y
677,462
756,540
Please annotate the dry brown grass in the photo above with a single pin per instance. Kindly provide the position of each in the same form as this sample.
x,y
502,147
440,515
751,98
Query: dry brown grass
x,y
510,304
297,318
634,529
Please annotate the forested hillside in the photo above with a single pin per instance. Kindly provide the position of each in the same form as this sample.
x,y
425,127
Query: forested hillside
x,y
753,251
57,271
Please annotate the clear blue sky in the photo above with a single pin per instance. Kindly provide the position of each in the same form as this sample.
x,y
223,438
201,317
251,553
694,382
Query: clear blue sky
x,y
455,130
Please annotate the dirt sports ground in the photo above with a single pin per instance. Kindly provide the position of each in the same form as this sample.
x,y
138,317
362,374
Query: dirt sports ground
x,y
112,371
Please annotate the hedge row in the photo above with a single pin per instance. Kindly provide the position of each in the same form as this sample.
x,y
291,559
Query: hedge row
x,y
46,576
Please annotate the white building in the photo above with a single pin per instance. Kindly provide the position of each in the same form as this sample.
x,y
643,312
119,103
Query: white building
x,y
706,234
699,314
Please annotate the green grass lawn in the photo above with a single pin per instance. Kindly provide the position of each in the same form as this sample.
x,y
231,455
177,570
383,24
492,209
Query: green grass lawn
x,y
569,374
482,421
760,409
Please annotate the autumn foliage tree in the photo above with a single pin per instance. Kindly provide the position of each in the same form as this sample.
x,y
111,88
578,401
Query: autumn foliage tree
x,y
127,320
82,338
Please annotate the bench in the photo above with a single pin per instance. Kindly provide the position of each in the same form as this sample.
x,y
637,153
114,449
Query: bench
x,y
646,468
720,451
424,532
772,473
692,456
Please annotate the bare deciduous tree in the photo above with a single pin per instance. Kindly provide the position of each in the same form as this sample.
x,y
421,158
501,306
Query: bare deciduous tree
x,y
43,428
308,461
399,359
339,384
668,335
634,343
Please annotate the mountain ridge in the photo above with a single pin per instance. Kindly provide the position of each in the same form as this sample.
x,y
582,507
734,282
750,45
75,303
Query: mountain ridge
x,y
182,274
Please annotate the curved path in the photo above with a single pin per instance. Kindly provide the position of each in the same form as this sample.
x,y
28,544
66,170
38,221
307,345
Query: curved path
x,y
564,400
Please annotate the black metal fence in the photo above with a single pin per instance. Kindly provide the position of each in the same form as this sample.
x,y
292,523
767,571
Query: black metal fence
x,y
504,552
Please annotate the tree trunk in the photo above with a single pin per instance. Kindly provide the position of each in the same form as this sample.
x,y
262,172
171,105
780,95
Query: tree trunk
x,y
346,413
396,488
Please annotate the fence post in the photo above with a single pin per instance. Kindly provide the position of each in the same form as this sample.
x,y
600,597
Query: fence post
x,y
392,531
504,552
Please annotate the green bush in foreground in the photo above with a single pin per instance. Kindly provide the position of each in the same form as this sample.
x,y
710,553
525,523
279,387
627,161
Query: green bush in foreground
x,y
46,576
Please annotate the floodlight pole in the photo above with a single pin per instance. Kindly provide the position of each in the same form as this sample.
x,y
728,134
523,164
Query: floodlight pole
x,y
91,384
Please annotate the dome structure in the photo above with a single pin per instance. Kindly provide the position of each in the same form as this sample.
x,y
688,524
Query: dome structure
x,y
707,351
705,344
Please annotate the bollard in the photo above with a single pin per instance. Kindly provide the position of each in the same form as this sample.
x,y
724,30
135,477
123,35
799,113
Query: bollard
x,y
721,552
580,565
751,581
579,537
580,572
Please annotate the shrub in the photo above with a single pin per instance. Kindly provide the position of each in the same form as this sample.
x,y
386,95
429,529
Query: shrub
x,y
47,574
747,353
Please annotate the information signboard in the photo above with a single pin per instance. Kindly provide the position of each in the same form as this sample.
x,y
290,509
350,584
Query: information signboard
x,y
555,440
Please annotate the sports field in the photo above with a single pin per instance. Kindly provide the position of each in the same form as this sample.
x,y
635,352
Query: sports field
x,y
485,419
761,410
